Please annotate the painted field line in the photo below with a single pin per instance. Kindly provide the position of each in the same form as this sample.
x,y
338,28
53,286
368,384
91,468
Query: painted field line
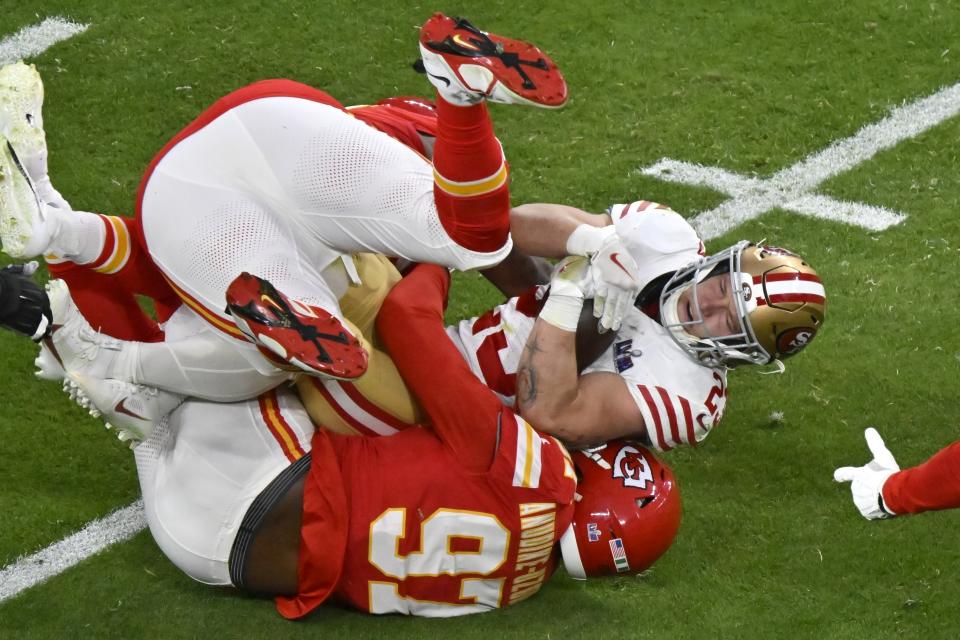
x,y
792,188
96,536
35,39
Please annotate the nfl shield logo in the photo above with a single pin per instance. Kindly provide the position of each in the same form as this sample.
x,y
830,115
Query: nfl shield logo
x,y
593,533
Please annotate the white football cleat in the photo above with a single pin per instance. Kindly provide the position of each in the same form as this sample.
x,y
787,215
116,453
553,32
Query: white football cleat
x,y
134,410
73,343
24,231
21,117
21,123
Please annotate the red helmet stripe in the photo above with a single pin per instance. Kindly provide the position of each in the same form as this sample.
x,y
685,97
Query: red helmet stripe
x,y
655,412
797,297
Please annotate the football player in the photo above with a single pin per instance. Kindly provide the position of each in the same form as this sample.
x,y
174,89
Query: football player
x,y
881,489
747,304
280,181
467,516
663,377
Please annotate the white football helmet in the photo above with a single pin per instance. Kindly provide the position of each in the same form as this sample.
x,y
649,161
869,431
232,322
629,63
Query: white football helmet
x,y
779,299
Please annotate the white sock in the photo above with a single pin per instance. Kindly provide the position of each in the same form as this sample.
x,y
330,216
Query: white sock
x,y
76,235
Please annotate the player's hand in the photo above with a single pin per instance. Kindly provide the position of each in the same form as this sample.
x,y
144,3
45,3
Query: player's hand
x,y
23,269
866,482
615,281
572,277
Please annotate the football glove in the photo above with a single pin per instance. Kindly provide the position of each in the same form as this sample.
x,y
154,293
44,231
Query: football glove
x,y
615,276
24,306
866,482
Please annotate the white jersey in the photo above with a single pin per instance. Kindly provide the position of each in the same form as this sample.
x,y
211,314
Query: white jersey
x,y
680,400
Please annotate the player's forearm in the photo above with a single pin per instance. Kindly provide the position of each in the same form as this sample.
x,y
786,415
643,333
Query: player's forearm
x,y
541,229
517,273
930,486
547,377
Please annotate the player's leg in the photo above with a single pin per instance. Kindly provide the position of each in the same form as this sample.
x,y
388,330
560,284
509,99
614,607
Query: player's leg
x,y
210,472
213,206
193,359
377,403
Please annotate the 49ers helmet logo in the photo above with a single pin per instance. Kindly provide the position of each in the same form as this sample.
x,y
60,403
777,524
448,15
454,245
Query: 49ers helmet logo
x,y
792,340
632,467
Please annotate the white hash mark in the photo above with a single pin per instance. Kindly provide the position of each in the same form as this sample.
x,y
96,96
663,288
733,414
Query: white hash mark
x,y
35,39
96,536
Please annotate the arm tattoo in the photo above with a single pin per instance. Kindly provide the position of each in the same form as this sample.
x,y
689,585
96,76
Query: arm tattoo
x,y
527,372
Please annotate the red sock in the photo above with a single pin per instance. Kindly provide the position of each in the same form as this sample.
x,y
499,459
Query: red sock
x,y
105,291
470,178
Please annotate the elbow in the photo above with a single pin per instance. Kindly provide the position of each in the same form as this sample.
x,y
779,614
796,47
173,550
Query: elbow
x,y
552,422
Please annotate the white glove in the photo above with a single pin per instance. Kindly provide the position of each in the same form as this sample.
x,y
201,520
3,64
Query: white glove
x,y
866,482
570,283
615,273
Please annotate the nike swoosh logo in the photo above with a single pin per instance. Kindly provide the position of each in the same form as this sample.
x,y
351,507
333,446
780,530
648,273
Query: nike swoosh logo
x,y
122,408
446,81
614,260
265,298
463,43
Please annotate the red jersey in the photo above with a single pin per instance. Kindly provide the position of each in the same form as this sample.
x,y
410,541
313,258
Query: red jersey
x,y
933,485
458,519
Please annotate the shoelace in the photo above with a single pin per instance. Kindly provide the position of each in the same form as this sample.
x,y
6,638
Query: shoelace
x,y
91,342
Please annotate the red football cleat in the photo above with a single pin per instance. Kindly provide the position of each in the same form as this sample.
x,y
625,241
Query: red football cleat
x,y
307,337
467,65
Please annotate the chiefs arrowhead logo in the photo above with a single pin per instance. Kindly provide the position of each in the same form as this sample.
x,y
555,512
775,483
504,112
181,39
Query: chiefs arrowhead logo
x,y
632,468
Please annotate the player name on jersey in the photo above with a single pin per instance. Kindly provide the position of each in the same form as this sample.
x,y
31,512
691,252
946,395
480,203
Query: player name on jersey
x,y
538,524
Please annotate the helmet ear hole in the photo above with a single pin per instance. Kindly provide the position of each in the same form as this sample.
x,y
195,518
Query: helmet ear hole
x,y
642,502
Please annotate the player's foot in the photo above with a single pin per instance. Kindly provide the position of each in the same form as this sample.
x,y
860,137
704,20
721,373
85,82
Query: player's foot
x,y
72,342
307,337
24,231
21,122
21,117
467,65
134,410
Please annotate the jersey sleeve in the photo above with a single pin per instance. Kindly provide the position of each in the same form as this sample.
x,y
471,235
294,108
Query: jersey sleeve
x,y
462,411
930,486
680,406
527,459
659,239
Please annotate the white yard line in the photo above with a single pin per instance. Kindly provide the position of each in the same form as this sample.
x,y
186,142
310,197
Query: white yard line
x,y
792,188
120,525
117,527
35,39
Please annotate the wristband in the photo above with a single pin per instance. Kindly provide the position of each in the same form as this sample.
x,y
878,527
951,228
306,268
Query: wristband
x,y
562,311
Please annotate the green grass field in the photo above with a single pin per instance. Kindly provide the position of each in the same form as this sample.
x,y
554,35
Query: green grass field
x,y
770,546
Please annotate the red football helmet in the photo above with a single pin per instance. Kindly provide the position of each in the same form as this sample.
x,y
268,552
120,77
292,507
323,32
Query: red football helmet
x,y
627,512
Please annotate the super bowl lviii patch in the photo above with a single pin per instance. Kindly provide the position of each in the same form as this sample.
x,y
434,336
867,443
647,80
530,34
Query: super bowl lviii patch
x,y
593,532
